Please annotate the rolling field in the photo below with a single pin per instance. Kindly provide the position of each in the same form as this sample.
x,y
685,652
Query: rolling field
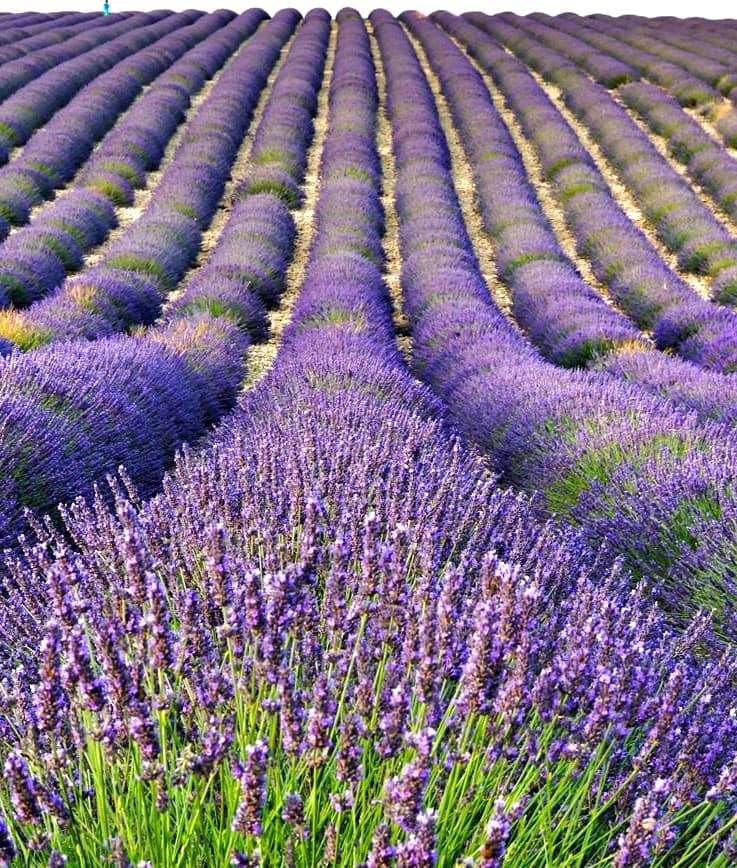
x,y
367,440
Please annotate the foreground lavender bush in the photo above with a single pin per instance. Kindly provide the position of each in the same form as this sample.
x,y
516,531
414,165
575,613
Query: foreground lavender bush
x,y
334,637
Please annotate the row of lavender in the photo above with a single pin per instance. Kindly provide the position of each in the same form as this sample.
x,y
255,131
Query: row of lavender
x,y
36,257
707,163
305,648
80,38
154,252
222,305
26,109
639,281
76,411
724,118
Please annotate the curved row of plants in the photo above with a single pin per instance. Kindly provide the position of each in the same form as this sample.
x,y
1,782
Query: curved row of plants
x,y
37,256
150,257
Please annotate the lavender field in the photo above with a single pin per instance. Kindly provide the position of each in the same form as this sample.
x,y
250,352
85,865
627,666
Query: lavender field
x,y
367,440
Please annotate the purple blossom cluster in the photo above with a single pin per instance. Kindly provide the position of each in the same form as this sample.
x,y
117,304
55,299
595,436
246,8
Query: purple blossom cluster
x,y
332,637
36,257
562,646
152,255
74,413
622,257
560,313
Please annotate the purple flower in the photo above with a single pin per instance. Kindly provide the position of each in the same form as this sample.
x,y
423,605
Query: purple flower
x,y
404,793
252,777
24,790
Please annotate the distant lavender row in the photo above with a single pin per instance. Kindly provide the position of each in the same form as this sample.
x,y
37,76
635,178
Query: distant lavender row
x,y
54,152
725,122
342,311
21,66
58,29
683,223
705,37
707,162
22,25
44,91
606,69
156,390
35,258
718,74
665,57
622,257
589,443
152,255
279,153
689,89
562,315
198,350
246,271
688,36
